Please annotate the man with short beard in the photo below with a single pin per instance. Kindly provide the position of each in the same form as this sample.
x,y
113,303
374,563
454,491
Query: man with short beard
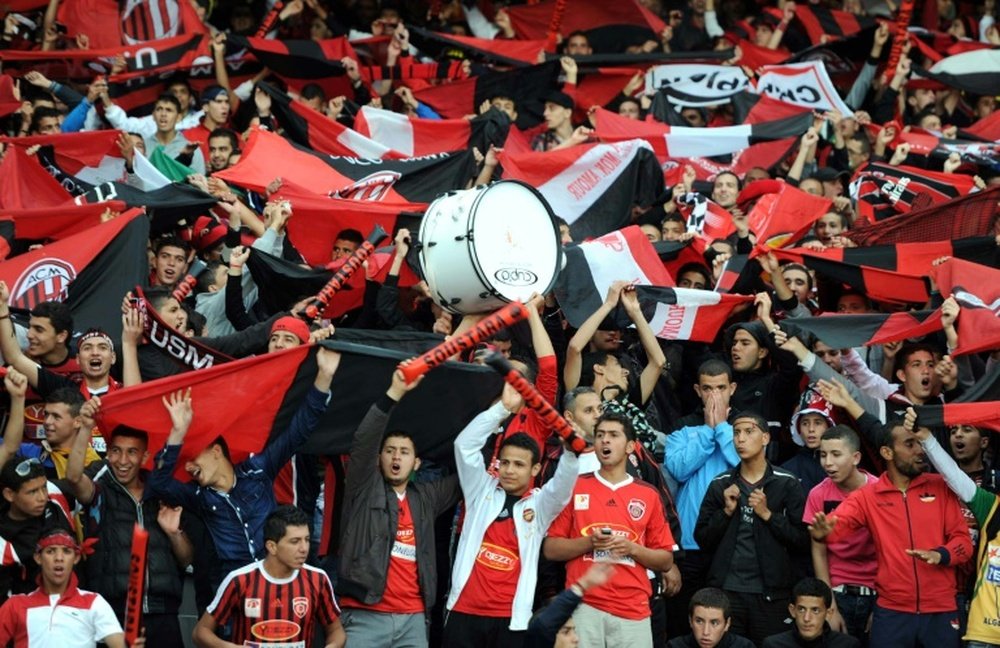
x,y
920,536
114,501
388,563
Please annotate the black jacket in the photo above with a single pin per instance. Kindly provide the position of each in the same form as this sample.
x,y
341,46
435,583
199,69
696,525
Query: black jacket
x,y
110,518
776,541
829,639
805,465
371,507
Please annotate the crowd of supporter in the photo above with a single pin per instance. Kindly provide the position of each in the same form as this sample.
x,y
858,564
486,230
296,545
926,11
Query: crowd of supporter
x,y
762,488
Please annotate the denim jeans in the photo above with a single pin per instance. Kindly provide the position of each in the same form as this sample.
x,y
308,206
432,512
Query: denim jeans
x,y
855,609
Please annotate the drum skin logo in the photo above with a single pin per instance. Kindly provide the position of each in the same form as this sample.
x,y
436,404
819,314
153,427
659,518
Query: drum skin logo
x,y
515,277
371,188
45,280
275,630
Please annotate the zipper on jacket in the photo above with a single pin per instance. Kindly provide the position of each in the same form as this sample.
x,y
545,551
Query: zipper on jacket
x,y
142,522
909,528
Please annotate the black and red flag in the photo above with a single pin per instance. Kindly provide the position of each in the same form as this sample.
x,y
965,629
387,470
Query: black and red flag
x,y
823,24
318,220
90,271
281,284
846,331
883,190
963,217
979,406
672,142
279,382
504,52
876,283
592,186
780,213
609,25
24,183
312,129
78,161
894,273
977,290
524,85
415,180
414,137
626,255
299,62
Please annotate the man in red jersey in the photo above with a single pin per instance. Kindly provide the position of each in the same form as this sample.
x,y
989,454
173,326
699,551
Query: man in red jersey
x,y
613,517
388,565
277,599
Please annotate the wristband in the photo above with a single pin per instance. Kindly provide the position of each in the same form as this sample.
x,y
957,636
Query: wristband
x,y
576,589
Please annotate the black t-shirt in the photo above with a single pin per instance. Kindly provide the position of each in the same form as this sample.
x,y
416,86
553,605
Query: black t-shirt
x,y
744,570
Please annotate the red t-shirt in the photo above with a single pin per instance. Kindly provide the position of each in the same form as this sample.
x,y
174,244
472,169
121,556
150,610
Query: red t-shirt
x,y
491,586
631,508
402,586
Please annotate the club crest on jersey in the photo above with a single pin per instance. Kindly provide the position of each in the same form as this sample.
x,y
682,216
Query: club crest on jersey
x,y
529,515
636,509
300,606
45,280
251,608
581,502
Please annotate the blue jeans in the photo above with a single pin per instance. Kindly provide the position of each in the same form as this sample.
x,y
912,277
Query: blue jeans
x,y
855,609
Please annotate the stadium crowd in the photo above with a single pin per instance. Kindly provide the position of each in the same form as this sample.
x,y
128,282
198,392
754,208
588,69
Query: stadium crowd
x,y
775,325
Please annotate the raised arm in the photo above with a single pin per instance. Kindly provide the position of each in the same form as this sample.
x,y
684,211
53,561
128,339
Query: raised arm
x,y
579,342
81,485
16,384
11,350
132,331
655,360
161,480
278,452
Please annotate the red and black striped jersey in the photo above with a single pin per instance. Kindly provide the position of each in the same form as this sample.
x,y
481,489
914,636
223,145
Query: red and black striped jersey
x,y
265,610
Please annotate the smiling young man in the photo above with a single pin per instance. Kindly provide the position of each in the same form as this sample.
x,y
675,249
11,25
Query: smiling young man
x,y
920,536
278,599
613,517
114,501
58,613
235,499
496,562
751,523
849,565
810,610
388,564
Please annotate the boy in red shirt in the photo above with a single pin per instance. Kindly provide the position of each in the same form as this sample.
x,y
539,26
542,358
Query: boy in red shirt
x,y
613,517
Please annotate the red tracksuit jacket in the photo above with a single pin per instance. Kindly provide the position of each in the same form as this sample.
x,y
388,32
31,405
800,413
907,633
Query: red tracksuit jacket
x,y
927,516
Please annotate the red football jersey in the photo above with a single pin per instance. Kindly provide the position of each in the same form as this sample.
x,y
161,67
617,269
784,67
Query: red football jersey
x,y
493,582
265,609
630,508
402,584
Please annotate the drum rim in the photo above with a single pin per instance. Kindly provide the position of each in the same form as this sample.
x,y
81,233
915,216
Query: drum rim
x,y
470,247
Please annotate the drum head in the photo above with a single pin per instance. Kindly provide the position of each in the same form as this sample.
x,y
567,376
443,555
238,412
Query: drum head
x,y
517,248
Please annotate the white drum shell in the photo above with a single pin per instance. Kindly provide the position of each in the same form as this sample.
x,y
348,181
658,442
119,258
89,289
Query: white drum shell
x,y
481,248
